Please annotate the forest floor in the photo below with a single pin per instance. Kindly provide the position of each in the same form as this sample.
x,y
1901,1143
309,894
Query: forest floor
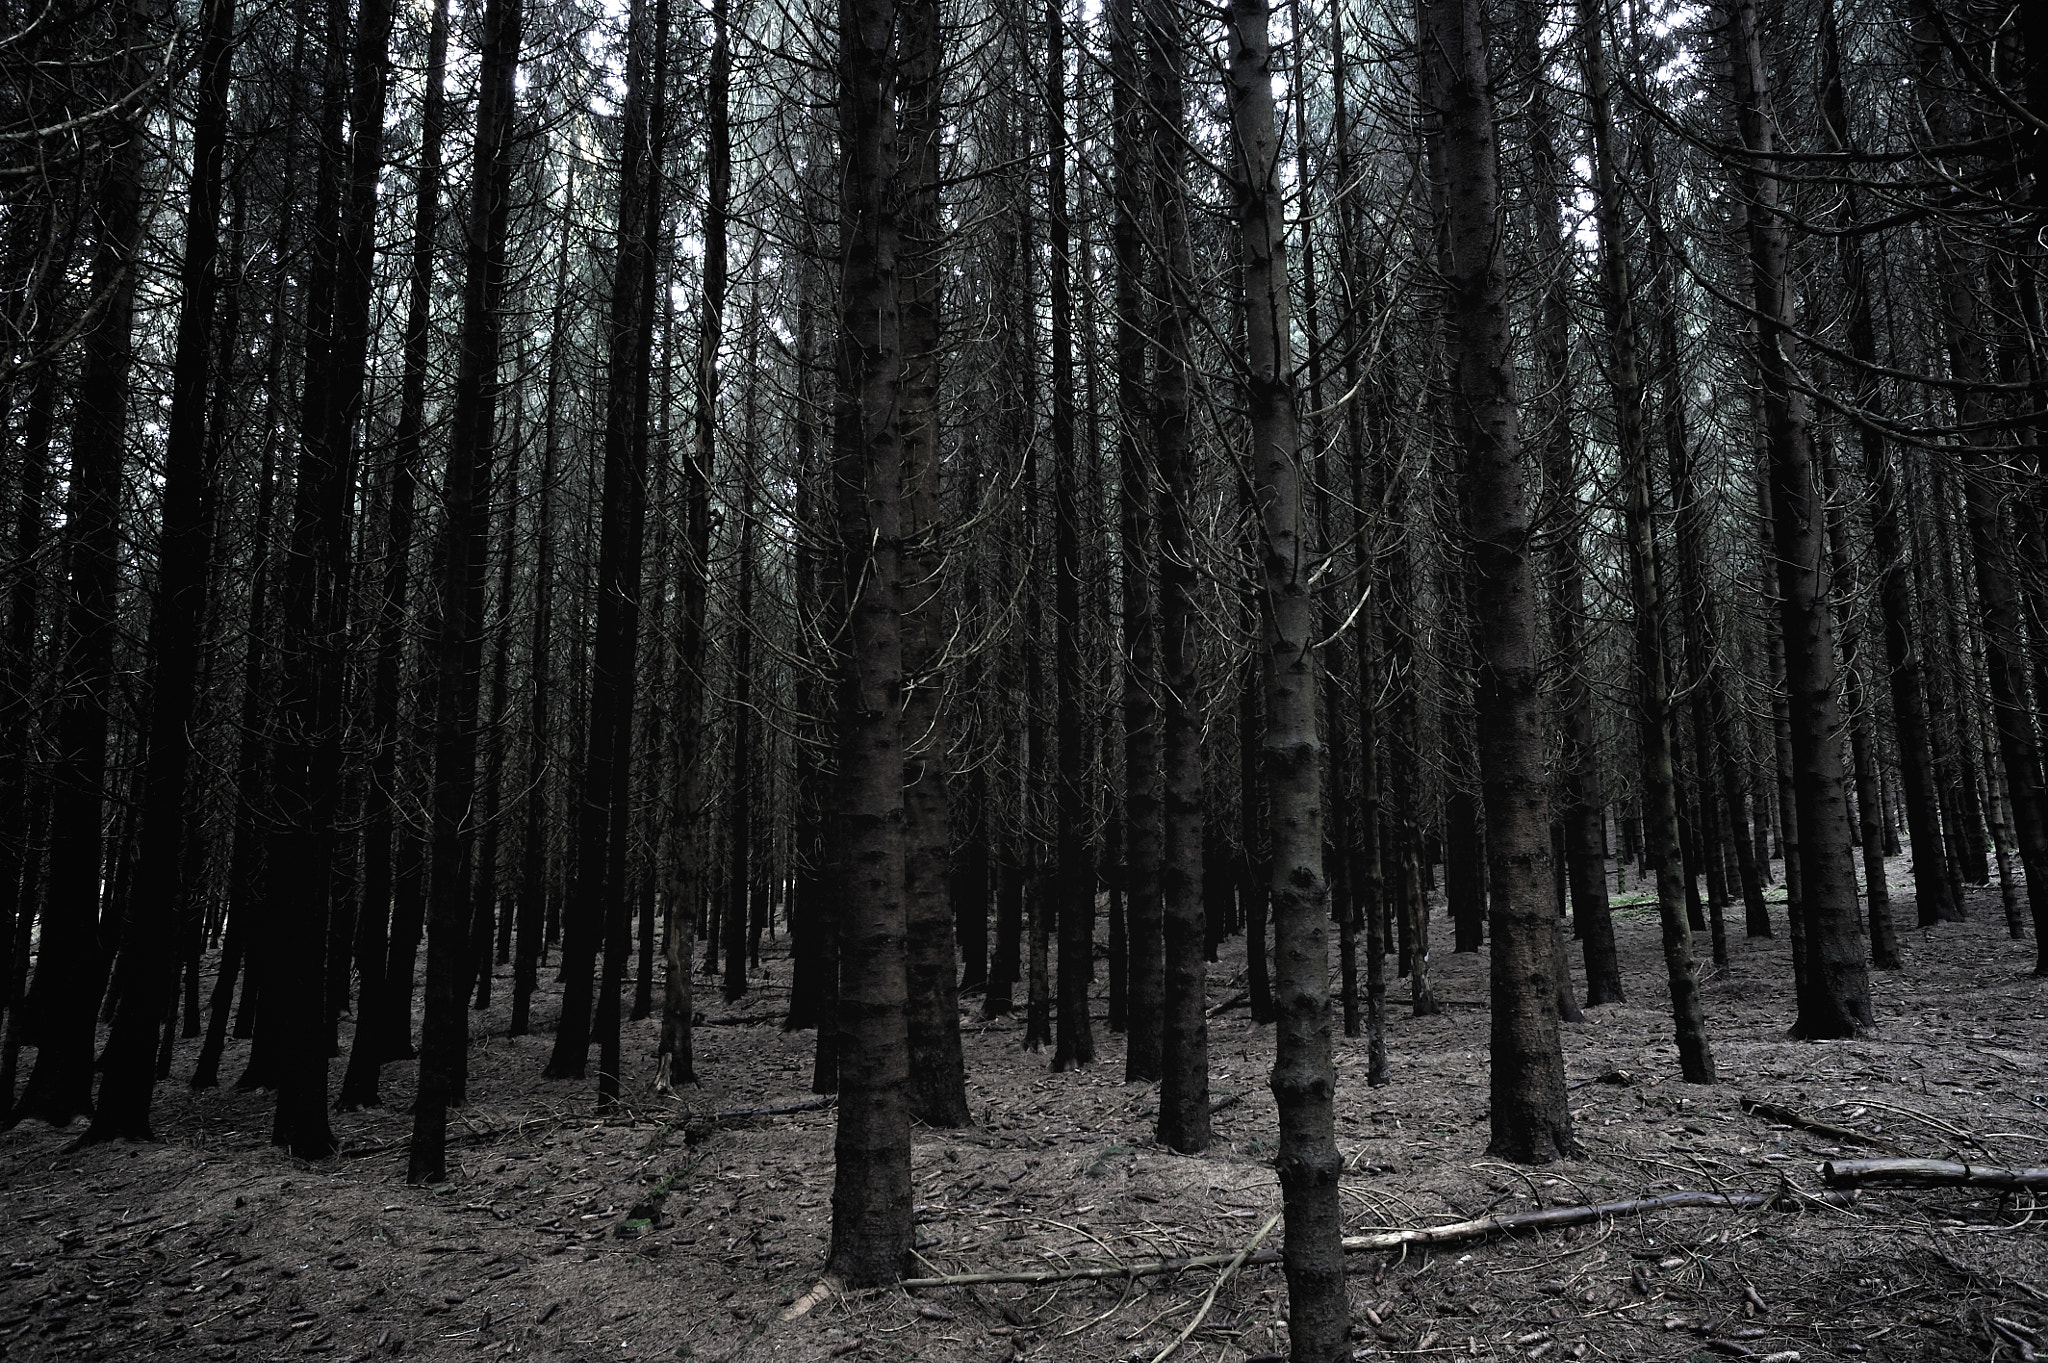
x,y
213,1245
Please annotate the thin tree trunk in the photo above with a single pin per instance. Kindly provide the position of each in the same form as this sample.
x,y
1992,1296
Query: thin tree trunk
x,y
64,997
465,544
596,917
533,882
1303,1080
384,1020
1884,943
177,623
1368,880
1531,1117
1074,1047
1184,1033
1584,815
1143,830
1836,999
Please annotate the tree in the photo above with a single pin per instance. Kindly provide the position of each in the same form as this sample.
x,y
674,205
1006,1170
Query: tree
x,y
1531,1117
1304,1083
871,1218
1834,989
465,540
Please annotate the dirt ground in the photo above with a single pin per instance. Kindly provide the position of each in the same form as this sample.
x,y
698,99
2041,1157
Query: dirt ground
x,y
213,1245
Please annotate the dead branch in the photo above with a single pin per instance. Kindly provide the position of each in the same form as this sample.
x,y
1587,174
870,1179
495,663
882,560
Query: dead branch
x,y
1929,1173
1455,1233
1775,1113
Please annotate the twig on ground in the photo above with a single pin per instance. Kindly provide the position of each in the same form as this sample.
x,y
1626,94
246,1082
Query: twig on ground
x,y
1777,1113
1229,1270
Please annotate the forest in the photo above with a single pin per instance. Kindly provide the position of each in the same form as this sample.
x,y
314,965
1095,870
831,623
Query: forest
x,y
1121,680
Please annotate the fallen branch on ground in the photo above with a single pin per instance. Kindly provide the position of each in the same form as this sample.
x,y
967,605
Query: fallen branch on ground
x,y
1775,1113
1930,1173
1455,1233
776,1109
1209,1301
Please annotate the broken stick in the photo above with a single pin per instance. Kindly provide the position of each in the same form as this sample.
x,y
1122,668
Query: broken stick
x,y
1775,1113
1455,1233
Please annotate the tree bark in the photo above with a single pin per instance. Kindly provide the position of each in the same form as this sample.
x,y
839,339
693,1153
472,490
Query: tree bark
x,y
938,1095
70,968
1184,1033
1074,1046
177,623
464,551
871,1212
1531,1117
1303,1080
1655,714
1143,830
1836,999
1584,814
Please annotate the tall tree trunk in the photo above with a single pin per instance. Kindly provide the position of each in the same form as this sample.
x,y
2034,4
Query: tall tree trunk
x,y
1884,942
1894,585
1531,1119
1184,1033
295,1023
1584,814
1368,878
464,550
1655,714
1075,1043
596,917
675,1063
871,1212
645,243
70,968
938,1084
533,863
384,1019
484,875
1303,1080
1141,821
1836,999
177,622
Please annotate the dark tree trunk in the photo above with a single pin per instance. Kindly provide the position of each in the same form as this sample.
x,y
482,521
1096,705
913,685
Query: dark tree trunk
x,y
384,1019
70,967
533,866
1884,942
1531,1118
1584,816
675,1065
1143,830
177,624
597,915
1303,1080
464,550
1074,1046
1655,714
1835,999
1368,879
485,908
871,1212
938,1077
307,754
1184,1033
